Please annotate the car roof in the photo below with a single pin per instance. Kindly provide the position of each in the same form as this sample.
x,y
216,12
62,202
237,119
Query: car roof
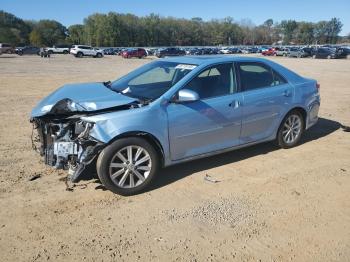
x,y
208,60
211,59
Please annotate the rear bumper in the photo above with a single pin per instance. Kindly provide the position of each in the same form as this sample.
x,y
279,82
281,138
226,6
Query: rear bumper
x,y
312,114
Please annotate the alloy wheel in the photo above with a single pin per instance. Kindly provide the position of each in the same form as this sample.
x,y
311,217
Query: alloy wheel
x,y
130,166
291,129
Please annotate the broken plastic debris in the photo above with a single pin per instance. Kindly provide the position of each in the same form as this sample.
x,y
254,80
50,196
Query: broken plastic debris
x,y
210,179
34,177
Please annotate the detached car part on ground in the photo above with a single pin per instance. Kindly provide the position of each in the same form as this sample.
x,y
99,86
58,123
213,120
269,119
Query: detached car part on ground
x,y
170,111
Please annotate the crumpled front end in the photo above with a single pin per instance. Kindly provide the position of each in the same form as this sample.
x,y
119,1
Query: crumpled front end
x,y
65,143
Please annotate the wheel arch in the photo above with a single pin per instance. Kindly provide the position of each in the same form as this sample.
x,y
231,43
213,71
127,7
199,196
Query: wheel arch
x,y
301,110
148,137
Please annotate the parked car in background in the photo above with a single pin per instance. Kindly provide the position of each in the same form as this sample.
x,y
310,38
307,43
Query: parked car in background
x,y
250,50
27,50
171,111
111,51
6,49
134,52
308,51
263,48
150,51
346,50
269,52
85,50
170,51
225,51
329,53
58,49
281,51
297,52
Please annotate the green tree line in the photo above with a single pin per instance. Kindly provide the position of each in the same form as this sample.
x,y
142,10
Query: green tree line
x,y
115,29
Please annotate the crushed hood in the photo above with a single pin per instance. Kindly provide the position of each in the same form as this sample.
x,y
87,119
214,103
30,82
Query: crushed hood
x,y
86,97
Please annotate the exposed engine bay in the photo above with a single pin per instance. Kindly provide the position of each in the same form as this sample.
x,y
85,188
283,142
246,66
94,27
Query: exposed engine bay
x,y
65,144
64,140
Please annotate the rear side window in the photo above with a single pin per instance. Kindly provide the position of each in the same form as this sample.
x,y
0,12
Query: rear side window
x,y
258,75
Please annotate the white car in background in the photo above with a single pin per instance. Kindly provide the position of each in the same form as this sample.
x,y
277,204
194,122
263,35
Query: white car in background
x,y
58,49
225,51
85,50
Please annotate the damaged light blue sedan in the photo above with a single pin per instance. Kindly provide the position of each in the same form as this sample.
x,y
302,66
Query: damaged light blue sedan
x,y
170,111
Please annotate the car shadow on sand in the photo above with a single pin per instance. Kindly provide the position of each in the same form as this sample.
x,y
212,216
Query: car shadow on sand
x,y
171,174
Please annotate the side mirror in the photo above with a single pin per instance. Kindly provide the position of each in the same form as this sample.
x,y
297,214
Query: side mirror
x,y
186,95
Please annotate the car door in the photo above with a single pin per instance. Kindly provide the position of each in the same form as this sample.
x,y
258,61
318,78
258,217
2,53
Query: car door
x,y
211,123
89,51
266,96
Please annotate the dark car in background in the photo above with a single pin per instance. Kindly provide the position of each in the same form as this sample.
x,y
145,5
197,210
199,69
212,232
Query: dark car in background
x,y
6,49
111,51
329,53
134,52
28,50
170,51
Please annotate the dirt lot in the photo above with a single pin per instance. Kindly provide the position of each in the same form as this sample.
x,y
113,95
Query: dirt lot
x,y
270,204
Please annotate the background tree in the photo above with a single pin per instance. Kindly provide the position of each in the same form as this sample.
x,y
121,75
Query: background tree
x,y
288,28
115,29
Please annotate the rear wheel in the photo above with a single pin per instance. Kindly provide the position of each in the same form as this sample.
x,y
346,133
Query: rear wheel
x,y
98,55
20,53
128,165
79,54
291,129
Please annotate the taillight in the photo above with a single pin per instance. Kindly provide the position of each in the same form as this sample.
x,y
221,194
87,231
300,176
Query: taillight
x,y
318,86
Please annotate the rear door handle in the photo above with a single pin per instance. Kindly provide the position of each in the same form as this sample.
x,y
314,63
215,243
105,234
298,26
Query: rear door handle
x,y
235,104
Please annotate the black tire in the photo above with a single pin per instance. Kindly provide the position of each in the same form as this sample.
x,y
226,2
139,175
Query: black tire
x,y
79,55
279,139
20,53
50,52
65,52
106,156
98,55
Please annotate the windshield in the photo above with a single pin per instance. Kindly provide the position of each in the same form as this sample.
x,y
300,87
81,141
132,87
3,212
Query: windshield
x,y
152,80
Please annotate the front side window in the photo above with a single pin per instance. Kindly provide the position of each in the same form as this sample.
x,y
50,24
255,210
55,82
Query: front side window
x,y
215,81
257,75
152,80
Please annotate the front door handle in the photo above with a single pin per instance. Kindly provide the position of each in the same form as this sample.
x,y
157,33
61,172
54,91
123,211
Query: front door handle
x,y
287,93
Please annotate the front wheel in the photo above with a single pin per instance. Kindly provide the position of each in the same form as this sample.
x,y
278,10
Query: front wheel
x,y
98,55
290,130
128,165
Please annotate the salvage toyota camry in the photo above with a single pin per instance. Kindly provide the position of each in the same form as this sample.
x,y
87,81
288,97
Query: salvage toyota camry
x,y
170,111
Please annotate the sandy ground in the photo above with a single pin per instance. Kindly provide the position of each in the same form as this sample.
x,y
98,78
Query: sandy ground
x,y
270,204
